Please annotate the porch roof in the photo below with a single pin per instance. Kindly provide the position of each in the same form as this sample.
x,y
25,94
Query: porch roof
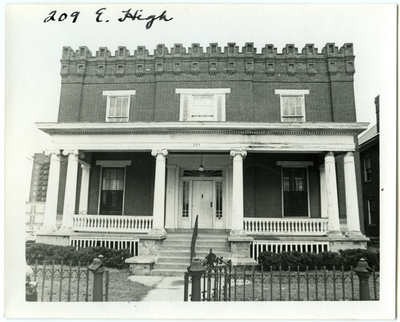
x,y
307,128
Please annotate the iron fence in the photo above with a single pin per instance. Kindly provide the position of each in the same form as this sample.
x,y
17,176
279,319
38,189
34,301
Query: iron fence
x,y
224,283
65,283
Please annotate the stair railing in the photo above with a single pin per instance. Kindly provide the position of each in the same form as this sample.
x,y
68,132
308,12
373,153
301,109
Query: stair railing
x,y
193,243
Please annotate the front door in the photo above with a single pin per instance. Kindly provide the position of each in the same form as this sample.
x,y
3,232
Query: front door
x,y
202,202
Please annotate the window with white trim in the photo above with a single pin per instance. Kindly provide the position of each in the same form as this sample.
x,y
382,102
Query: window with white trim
x,y
118,103
206,104
292,104
112,186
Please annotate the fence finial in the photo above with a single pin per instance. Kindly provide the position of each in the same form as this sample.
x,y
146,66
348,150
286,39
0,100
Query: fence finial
x,y
98,270
363,272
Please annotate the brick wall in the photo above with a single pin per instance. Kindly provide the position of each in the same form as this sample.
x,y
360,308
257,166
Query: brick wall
x,y
139,182
263,184
251,76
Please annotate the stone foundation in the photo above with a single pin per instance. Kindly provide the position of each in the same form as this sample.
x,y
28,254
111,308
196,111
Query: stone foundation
x,y
53,238
150,245
348,243
140,265
240,250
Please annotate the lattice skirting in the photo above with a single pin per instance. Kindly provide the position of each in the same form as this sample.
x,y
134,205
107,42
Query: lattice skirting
x,y
110,242
260,246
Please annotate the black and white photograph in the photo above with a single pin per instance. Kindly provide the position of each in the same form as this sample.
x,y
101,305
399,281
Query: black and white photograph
x,y
238,155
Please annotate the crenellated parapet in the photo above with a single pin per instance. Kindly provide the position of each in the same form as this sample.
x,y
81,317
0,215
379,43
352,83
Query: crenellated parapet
x,y
331,63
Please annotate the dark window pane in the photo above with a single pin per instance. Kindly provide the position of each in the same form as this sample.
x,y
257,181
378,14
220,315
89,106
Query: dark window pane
x,y
295,192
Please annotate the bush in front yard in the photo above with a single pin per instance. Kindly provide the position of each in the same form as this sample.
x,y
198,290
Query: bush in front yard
x,y
43,252
344,258
352,256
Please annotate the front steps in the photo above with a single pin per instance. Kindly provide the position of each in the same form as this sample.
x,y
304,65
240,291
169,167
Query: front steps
x,y
174,257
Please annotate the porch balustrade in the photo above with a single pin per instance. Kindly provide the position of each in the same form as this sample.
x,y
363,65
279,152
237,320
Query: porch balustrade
x,y
286,226
98,223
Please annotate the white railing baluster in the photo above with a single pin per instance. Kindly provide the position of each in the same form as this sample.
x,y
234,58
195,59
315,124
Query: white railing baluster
x,y
103,223
281,226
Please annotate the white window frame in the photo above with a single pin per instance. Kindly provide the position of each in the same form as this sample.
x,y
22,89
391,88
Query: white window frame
x,y
118,94
293,93
112,164
188,94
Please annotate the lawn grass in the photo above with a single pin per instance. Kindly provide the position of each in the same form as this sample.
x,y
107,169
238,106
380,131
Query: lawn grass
x,y
122,290
70,288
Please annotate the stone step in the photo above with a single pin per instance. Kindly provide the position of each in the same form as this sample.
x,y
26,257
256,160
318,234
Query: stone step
x,y
199,239
202,243
174,256
225,255
180,266
174,253
178,248
200,254
214,249
173,259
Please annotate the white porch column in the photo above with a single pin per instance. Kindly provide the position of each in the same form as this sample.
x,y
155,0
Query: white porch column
x,y
70,188
237,191
353,221
159,191
332,206
50,211
322,190
84,194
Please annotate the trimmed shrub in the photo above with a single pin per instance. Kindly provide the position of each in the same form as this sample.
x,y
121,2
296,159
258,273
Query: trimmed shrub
x,y
344,258
68,254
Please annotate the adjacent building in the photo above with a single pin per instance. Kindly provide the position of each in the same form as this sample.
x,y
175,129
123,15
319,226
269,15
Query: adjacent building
x,y
259,144
34,208
369,154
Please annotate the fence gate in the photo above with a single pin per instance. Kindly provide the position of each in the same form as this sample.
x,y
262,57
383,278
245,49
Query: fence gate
x,y
215,282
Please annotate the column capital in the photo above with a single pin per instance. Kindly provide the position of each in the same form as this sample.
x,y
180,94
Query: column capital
x,y
73,152
85,166
238,152
349,157
163,152
330,158
52,151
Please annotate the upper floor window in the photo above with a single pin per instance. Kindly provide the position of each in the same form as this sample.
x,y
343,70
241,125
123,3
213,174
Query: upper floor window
x,y
118,103
206,104
292,104
367,168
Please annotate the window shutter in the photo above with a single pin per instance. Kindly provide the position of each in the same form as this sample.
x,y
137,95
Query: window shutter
x,y
219,108
185,108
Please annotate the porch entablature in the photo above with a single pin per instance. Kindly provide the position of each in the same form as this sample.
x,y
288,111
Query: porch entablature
x,y
306,128
204,137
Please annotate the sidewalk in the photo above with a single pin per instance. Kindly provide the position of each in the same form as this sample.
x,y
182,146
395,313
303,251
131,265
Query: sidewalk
x,y
167,288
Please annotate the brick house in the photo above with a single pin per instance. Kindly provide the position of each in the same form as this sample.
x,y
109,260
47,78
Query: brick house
x,y
369,155
260,146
